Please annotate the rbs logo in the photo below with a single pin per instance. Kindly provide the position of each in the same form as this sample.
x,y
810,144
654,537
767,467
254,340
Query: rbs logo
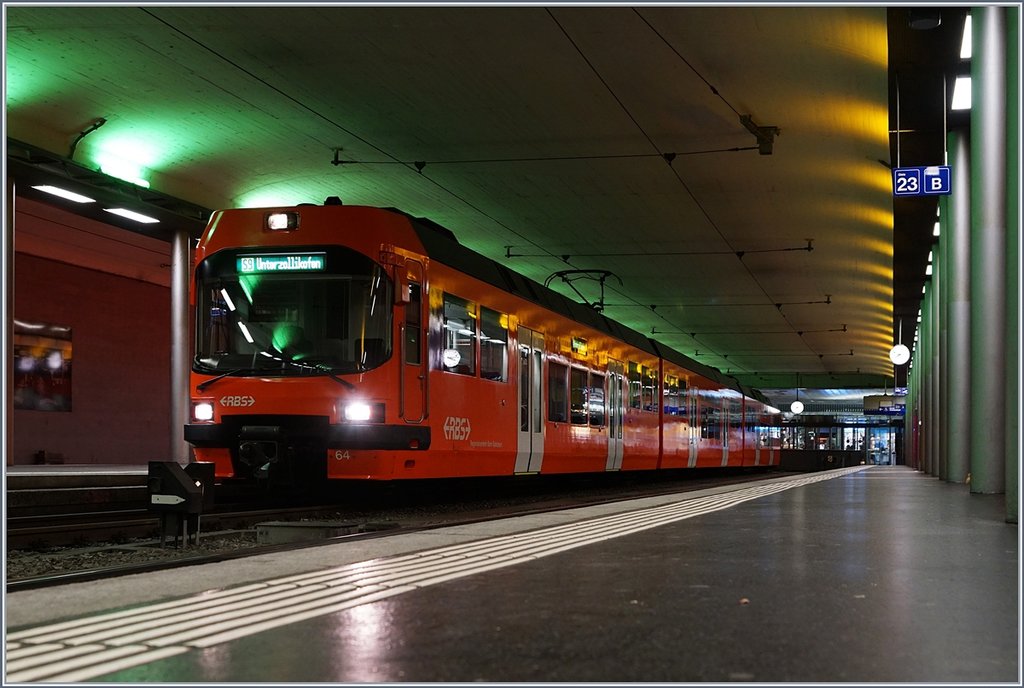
x,y
237,401
456,428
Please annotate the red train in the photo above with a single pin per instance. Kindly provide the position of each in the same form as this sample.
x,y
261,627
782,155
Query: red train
x,y
352,342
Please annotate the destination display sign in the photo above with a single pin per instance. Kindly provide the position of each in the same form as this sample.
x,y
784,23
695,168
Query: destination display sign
x,y
281,262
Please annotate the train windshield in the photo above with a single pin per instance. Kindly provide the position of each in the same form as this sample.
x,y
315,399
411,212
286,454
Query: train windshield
x,y
292,312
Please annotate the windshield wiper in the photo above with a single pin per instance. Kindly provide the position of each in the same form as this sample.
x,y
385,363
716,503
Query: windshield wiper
x,y
334,377
320,369
203,385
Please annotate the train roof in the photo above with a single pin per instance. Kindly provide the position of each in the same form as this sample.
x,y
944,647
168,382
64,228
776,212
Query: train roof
x,y
442,245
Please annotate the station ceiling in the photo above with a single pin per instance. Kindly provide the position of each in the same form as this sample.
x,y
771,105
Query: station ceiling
x,y
726,170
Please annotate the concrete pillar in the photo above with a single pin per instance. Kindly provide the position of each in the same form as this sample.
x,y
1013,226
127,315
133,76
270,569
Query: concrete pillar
x,y
1013,265
988,250
942,249
180,364
930,372
910,430
8,324
927,445
938,421
956,235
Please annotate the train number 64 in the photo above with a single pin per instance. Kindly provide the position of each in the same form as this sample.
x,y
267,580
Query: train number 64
x,y
342,455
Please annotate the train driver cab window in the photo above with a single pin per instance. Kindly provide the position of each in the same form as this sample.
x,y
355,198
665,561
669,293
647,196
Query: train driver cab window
x,y
459,352
288,311
558,393
493,345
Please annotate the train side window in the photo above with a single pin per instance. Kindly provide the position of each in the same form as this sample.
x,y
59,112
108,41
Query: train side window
x,y
413,330
634,385
595,400
493,345
459,353
649,381
707,422
578,396
670,395
558,393
674,395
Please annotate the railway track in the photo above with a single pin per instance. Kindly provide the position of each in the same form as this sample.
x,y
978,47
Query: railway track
x,y
230,534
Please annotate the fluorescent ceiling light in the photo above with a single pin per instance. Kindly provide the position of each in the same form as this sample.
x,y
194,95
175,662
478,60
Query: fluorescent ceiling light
x,y
64,193
132,215
965,42
962,93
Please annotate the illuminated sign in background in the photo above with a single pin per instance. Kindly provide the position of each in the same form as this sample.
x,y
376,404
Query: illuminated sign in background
x,y
885,405
281,262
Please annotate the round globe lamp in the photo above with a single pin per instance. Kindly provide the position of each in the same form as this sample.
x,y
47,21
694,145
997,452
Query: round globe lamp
x,y
899,354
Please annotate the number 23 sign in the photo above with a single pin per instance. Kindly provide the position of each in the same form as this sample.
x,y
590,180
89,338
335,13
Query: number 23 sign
x,y
920,181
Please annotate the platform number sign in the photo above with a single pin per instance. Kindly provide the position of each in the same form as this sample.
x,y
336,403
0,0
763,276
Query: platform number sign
x,y
921,181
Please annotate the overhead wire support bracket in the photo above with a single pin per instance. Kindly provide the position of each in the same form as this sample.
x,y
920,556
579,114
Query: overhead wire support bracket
x,y
337,158
765,135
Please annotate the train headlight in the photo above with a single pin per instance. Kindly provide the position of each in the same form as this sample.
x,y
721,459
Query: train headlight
x,y
282,222
362,412
202,410
357,411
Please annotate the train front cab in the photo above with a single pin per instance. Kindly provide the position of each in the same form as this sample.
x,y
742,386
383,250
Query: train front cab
x,y
296,372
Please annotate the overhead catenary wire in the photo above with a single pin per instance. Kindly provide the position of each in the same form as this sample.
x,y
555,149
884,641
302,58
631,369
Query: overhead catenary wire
x,y
418,166
628,254
701,207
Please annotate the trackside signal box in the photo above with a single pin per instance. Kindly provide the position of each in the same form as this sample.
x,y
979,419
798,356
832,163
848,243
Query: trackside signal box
x,y
179,495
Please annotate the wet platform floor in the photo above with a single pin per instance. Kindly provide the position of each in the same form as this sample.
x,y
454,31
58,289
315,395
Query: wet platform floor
x,y
871,574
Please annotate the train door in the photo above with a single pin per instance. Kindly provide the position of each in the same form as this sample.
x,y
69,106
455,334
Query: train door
x,y
616,414
694,419
530,440
724,425
759,437
413,380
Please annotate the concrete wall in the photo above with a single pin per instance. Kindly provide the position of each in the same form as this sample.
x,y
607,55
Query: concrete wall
x,y
121,361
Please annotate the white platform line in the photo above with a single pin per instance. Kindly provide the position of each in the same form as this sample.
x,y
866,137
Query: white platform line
x,y
86,648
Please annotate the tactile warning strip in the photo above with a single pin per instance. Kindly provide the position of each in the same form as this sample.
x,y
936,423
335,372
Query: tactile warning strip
x,y
97,645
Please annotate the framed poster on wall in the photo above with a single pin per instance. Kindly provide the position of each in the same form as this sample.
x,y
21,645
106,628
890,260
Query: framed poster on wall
x,y
42,366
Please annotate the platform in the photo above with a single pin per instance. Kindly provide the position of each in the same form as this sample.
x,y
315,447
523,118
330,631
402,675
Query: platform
x,y
863,574
56,476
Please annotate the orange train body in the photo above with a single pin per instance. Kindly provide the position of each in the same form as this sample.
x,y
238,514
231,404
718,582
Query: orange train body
x,y
349,342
